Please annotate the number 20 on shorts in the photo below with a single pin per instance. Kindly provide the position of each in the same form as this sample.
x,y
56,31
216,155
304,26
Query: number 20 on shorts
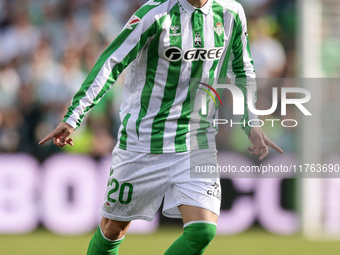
x,y
122,188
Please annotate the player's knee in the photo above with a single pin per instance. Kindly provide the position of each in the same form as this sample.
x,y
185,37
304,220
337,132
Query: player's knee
x,y
200,234
113,233
113,230
206,234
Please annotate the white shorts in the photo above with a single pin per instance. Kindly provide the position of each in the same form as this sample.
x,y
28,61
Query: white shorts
x,y
139,181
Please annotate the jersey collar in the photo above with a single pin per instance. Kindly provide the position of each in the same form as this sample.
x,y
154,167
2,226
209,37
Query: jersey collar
x,y
189,9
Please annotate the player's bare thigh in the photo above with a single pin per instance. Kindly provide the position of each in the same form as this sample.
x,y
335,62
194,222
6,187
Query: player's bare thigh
x,y
113,229
193,213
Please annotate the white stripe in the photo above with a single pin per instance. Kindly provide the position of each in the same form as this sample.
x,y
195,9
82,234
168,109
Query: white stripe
x,y
249,70
199,221
209,42
186,74
229,22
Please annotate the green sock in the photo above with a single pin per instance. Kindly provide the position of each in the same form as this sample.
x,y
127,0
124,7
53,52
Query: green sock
x,y
195,239
100,246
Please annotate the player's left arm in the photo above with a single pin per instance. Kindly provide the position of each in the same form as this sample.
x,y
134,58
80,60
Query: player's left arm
x,y
243,72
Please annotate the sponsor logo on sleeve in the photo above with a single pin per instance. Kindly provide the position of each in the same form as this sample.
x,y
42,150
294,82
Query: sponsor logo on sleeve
x,y
133,21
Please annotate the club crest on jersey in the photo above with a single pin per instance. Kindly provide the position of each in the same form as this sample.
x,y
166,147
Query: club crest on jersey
x,y
219,28
133,21
198,40
174,30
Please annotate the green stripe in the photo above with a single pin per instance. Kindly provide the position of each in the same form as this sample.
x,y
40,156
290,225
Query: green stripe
x,y
197,24
151,69
249,54
219,39
141,12
218,13
224,69
238,69
123,137
246,116
158,125
101,61
197,71
238,65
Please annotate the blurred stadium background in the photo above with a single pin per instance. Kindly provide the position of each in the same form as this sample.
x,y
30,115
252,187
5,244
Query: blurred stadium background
x,y
49,197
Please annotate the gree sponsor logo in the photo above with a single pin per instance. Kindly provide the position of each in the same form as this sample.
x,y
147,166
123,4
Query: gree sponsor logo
x,y
174,54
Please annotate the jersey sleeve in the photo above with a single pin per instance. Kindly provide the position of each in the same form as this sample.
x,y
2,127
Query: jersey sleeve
x,y
241,70
118,55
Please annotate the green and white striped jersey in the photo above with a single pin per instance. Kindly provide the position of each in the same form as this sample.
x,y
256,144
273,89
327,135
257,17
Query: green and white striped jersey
x,y
167,43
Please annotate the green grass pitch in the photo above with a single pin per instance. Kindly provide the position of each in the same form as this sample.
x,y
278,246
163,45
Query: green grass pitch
x,y
253,242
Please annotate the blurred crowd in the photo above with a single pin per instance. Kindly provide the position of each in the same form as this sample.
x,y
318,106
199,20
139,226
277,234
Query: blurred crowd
x,y
47,47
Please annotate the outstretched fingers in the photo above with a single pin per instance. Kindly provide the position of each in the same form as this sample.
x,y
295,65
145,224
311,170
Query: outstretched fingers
x,y
64,138
60,135
257,151
250,149
273,145
49,137
69,141
260,143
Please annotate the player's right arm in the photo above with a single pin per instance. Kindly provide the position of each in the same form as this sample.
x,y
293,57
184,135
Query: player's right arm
x,y
120,53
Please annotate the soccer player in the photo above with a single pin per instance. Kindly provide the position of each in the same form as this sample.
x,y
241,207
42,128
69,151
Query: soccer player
x,y
166,44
